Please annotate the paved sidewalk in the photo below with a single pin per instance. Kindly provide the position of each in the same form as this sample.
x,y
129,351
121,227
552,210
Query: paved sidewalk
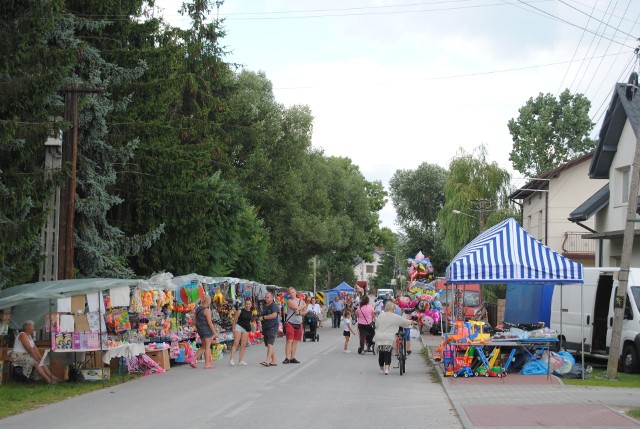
x,y
524,401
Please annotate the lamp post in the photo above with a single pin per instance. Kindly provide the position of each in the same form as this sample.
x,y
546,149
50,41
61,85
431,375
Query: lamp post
x,y
479,218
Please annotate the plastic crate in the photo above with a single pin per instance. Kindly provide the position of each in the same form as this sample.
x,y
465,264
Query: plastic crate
x,y
461,362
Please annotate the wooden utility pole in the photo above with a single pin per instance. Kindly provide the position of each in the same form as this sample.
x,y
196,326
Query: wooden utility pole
x,y
68,193
625,261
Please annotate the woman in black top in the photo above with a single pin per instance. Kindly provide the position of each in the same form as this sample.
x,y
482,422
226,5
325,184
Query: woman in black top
x,y
206,330
241,329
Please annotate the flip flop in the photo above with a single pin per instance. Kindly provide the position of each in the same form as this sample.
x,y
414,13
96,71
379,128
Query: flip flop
x,y
264,364
193,364
210,367
273,364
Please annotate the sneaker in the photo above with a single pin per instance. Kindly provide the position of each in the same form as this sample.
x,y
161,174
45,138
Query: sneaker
x,y
381,371
359,350
243,363
386,372
232,363
294,360
286,361
347,351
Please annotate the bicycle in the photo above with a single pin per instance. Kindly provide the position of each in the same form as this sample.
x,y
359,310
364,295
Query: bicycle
x,y
401,349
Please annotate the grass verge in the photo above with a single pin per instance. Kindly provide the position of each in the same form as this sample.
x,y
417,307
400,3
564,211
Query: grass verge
x,y
426,356
17,398
599,378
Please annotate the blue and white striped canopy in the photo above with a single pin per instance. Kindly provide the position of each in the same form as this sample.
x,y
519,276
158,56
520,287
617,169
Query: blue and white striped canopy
x,y
506,253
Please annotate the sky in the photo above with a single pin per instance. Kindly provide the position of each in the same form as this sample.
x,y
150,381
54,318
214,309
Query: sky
x,y
395,83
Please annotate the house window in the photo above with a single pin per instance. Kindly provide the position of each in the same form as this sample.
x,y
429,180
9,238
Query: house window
x,y
624,185
371,269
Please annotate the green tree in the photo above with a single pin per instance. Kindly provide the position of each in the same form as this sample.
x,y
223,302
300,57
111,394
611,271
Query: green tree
x,y
550,131
478,188
34,61
418,196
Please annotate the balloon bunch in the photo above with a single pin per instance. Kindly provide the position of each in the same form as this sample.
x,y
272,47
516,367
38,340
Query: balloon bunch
x,y
420,267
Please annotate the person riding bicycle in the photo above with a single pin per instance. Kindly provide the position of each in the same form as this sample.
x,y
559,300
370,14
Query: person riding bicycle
x,y
387,324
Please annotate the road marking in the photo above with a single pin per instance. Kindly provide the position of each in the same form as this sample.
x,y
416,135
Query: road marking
x,y
220,410
240,409
296,371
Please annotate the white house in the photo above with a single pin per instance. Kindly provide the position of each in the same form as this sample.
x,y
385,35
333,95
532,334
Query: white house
x,y
547,202
612,160
365,270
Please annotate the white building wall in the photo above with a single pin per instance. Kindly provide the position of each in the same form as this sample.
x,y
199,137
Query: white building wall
x,y
613,217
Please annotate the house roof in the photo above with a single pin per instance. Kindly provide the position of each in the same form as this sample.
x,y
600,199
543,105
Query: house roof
x,y
542,182
595,203
619,110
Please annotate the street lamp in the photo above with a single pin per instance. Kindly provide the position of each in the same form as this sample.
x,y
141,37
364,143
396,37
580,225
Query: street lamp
x,y
458,212
480,219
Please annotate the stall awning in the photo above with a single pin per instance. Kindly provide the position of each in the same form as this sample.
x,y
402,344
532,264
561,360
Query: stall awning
x,y
506,253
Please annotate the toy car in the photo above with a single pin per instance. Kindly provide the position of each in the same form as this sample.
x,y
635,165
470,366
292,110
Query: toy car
x,y
464,371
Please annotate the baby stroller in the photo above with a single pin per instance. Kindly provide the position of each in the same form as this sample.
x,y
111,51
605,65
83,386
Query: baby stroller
x,y
310,327
367,340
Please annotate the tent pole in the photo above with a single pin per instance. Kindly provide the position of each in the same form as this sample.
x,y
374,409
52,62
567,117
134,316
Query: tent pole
x,y
561,332
582,329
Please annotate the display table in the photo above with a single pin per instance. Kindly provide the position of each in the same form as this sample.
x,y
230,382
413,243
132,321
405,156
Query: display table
x,y
532,349
124,350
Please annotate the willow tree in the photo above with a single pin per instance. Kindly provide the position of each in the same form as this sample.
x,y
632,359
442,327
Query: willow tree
x,y
479,190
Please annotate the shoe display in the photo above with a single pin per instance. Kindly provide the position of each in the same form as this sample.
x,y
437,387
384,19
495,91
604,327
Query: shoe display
x,y
286,361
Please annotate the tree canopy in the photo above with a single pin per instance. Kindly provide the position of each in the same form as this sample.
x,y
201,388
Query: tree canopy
x,y
479,190
550,131
185,163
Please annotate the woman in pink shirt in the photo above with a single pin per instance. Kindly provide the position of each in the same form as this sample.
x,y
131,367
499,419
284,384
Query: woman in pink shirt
x,y
366,317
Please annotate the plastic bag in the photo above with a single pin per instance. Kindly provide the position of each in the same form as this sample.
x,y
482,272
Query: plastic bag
x,y
535,367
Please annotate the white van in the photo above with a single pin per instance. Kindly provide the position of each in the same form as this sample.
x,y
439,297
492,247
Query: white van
x,y
383,292
599,291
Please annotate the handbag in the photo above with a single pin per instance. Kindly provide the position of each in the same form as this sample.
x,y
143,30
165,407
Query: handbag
x,y
295,325
372,325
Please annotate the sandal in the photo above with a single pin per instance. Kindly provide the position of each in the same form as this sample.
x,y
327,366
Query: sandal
x,y
264,364
273,364
193,364
210,367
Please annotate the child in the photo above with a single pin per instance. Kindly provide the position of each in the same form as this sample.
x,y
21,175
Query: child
x,y
347,330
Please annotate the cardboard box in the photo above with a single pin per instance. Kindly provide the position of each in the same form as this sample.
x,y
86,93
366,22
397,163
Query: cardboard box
x,y
96,374
161,357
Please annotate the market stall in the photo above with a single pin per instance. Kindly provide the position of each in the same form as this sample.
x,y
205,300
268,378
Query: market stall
x,y
133,325
507,254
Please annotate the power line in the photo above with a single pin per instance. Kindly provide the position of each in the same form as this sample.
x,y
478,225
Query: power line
x,y
606,50
570,23
575,52
605,23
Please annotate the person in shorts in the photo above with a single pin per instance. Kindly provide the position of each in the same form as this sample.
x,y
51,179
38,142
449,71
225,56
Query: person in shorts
x,y
296,309
347,330
269,321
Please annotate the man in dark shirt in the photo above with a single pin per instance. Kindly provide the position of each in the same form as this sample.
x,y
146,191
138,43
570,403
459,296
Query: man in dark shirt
x,y
269,320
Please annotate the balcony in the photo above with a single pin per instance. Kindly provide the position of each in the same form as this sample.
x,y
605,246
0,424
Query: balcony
x,y
576,246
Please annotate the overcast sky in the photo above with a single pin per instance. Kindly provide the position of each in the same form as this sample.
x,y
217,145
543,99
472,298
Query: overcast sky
x,y
395,83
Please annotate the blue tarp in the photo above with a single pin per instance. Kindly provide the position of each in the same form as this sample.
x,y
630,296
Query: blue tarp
x,y
528,304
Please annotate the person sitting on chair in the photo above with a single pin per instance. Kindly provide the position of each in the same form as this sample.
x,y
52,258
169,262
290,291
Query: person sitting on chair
x,y
26,355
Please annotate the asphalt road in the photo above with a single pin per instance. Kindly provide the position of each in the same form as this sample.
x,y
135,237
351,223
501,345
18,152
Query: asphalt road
x,y
329,389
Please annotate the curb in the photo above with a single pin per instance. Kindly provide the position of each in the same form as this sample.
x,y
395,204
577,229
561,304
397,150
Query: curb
x,y
462,415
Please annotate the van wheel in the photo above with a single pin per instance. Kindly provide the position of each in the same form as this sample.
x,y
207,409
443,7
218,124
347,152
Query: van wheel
x,y
629,359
